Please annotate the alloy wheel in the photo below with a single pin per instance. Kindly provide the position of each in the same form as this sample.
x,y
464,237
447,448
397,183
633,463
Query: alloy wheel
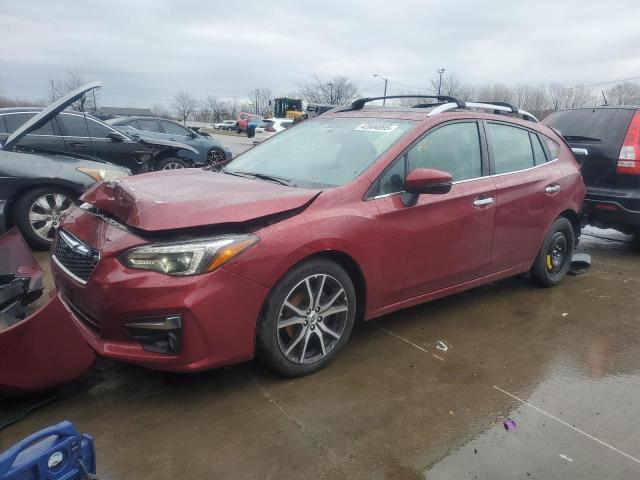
x,y
47,212
312,319
172,166
215,156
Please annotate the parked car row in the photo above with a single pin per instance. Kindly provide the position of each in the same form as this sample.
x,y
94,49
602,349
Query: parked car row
x,y
210,151
391,207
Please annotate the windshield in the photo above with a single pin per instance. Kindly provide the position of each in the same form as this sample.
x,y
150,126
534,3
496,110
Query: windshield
x,y
328,152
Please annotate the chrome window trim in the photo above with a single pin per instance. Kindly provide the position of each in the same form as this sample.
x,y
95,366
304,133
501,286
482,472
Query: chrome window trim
x,y
88,119
452,183
524,169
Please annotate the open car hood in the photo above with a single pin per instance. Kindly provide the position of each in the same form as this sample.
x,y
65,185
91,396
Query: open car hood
x,y
47,114
190,198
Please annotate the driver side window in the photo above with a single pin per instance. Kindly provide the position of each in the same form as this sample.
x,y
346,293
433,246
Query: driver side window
x,y
452,148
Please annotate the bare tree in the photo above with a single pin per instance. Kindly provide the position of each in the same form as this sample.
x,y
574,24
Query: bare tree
x,y
625,93
72,81
451,85
17,102
161,111
259,101
337,91
218,110
184,104
493,92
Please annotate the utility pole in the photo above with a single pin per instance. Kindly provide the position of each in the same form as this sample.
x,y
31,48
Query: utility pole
x,y
53,92
386,80
440,72
257,92
330,93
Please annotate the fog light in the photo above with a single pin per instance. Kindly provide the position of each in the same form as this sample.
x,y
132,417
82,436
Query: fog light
x,y
158,334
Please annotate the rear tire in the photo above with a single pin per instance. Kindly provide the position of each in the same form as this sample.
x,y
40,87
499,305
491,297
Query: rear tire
x,y
38,213
554,258
307,318
216,157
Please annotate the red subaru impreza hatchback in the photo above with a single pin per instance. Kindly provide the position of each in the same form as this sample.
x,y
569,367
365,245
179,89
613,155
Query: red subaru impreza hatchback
x,y
358,213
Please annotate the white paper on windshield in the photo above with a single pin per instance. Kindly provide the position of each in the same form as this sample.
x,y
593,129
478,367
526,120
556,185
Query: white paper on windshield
x,y
376,127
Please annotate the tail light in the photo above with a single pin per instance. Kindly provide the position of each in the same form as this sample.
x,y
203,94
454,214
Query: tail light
x,y
629,157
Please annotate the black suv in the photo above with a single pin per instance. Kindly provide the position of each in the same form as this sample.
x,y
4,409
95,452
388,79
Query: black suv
x,y
606,142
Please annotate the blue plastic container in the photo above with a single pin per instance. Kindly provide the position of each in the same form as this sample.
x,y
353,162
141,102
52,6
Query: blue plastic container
x,y
54,453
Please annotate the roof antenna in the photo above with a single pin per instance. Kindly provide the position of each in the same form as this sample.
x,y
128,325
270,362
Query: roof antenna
x,y
86,124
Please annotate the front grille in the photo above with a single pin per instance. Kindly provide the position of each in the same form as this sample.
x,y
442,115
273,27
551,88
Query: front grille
x,y
77,258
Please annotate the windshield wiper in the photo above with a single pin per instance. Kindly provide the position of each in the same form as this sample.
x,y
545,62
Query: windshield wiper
x,y
262,176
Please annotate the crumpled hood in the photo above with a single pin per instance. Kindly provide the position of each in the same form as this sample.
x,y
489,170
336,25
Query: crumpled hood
x,y
193,198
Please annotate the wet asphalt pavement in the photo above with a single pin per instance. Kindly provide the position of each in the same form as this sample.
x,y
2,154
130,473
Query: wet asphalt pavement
x,y
563,363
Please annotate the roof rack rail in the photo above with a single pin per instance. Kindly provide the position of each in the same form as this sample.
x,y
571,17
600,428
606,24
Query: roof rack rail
x,y
497,107
360,102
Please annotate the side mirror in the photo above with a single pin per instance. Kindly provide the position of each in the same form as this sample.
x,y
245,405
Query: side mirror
x,y
116,137
426,180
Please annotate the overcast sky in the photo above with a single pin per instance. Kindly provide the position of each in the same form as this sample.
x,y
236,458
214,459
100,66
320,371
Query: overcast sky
x,y
146,51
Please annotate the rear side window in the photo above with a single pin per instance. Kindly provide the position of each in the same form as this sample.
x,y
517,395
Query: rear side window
x,y
592,125
174,129
552,148
3,126
511,148
75,125
14,120
453,148
538,150
147,125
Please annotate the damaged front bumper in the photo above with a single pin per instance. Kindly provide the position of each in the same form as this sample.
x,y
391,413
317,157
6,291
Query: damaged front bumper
x,y
40,350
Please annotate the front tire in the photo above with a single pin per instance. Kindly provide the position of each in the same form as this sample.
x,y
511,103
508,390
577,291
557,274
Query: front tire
x,y
171,163
38,213
307,318
554,258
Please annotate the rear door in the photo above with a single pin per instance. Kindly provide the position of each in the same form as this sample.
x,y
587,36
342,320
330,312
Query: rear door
x,y
442,240
527,187
596,135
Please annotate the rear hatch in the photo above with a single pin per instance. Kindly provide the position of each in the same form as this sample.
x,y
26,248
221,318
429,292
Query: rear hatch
x,y
597,133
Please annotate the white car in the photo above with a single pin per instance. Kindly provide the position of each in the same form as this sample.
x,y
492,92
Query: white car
x,y
226,125
270,126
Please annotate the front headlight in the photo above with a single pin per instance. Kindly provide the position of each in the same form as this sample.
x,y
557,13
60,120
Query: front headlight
x,y
188,258
99,174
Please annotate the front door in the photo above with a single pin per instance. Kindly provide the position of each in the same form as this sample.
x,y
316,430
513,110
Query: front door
x,y
87,136
442,240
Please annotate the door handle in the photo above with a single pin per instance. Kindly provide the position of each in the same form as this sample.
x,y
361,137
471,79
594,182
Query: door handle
x,y
483,202
79,145
553,188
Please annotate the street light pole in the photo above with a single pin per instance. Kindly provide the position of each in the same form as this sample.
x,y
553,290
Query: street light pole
x,y
440,72
386,80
